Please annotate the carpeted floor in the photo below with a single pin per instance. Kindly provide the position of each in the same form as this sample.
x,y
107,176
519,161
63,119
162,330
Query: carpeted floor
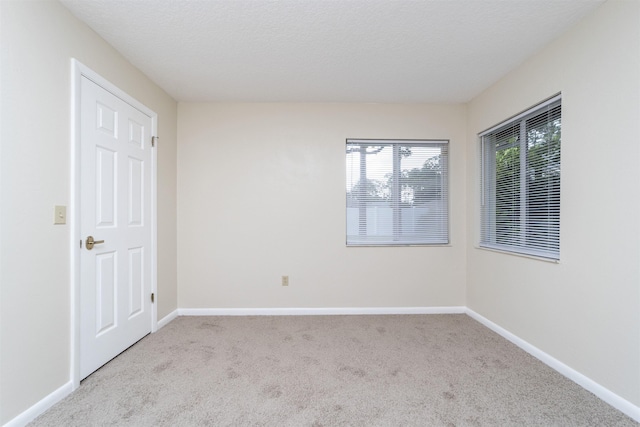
x,y
409,370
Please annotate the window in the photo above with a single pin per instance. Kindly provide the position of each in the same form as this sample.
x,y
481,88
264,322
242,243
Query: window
x,y
520,200
397,192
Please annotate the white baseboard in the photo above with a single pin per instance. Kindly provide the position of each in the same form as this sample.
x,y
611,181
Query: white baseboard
x,y
40,407
603,393
166,319
317,311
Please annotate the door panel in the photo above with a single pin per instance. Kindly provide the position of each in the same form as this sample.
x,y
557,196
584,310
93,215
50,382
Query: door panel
x,y
136,134
136,192
107,119
136,281
106,174
106,267
115,207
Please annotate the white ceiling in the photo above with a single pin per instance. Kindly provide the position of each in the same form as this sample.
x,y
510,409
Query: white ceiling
x,y
433,51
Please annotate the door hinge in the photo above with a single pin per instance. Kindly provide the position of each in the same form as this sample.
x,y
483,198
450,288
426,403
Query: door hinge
x,y
154,139
153,297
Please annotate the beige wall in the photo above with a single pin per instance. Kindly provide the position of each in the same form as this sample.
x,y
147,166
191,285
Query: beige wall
x,y
38,40
584,311
262,194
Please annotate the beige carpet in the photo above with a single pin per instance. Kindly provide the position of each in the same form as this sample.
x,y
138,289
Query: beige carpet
x,y
411,370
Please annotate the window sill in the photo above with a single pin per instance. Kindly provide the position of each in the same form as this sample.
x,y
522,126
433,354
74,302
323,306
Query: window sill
x,y
407,245
517,254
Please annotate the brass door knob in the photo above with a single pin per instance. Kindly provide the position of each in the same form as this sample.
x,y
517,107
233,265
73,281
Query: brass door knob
x,y
91,242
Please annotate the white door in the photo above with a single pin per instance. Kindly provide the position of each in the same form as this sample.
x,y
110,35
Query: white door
x,y
115,209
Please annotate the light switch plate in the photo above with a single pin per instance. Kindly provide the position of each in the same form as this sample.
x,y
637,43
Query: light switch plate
x,y
60,215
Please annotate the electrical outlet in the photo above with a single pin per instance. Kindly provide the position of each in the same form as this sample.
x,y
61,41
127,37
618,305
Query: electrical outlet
x,y
285,280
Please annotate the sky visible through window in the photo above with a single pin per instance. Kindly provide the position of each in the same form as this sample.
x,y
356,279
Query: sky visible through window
x,y
379,165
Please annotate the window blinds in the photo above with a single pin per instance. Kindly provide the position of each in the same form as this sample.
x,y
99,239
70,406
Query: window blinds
x,y
397,192
520,209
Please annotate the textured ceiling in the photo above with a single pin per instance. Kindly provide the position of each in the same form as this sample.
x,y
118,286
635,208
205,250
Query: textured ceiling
x,y
434,51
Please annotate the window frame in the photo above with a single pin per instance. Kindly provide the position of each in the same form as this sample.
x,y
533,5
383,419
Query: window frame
x,y
397,239
488,186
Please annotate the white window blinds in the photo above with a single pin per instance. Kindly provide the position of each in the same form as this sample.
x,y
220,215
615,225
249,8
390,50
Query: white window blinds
x,y
521,183
397,192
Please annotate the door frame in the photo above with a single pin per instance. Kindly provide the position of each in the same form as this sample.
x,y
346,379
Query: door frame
x,y
79,70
